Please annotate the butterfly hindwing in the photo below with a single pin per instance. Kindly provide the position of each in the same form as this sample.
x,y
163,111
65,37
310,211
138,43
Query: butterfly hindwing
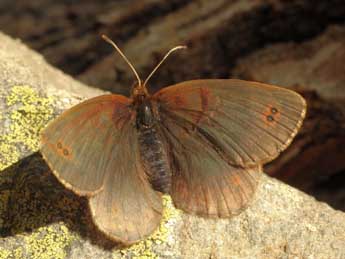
x,y
81,144
127,209
203,183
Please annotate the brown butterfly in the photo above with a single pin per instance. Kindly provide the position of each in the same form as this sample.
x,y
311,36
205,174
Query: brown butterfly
x,y
202,141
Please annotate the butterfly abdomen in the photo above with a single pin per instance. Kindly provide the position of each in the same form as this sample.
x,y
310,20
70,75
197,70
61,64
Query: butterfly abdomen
x,y
154,159
152,150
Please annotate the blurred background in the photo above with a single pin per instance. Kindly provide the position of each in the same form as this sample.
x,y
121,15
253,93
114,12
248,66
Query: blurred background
x,y
298,44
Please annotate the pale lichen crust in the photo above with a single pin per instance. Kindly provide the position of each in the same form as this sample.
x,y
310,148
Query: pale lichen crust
x,y
27,112
44,243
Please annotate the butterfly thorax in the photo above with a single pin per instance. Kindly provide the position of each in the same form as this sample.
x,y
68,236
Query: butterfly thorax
x,y
145,116
152,149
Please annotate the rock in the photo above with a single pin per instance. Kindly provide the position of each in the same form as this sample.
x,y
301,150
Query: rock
x,y
313,65
39,218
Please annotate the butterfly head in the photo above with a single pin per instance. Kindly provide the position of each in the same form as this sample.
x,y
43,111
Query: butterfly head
x,y
139,90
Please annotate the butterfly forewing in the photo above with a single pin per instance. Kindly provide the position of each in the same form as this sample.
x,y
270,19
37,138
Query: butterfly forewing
x,y
245,122
127,209
81,144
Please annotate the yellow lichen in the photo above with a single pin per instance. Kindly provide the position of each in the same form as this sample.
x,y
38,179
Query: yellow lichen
x,y
18,253
28,113
48,242
8,153
5,253
11,253
144,249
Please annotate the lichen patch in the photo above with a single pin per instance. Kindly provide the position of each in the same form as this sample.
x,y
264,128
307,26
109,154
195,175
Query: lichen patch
x,y
27,112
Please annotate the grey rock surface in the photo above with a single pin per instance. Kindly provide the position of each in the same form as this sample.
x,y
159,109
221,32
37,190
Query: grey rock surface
x,y
316,64
41,219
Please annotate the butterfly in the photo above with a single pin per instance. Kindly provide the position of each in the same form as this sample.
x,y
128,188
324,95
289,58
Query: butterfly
x,y
203,142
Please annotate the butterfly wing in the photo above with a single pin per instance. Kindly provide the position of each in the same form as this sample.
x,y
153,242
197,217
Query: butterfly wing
x,y
219,132
246,122
81,144
127,209
203,183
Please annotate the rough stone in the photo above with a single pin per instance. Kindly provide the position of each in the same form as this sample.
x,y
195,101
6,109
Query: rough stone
x,y
316,64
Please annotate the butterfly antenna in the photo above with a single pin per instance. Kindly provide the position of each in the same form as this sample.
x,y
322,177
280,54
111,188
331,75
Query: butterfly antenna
x,y
104,37
161,62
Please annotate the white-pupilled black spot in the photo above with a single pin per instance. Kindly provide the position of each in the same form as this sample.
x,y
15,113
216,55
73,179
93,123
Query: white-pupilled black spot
x,y
274,110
